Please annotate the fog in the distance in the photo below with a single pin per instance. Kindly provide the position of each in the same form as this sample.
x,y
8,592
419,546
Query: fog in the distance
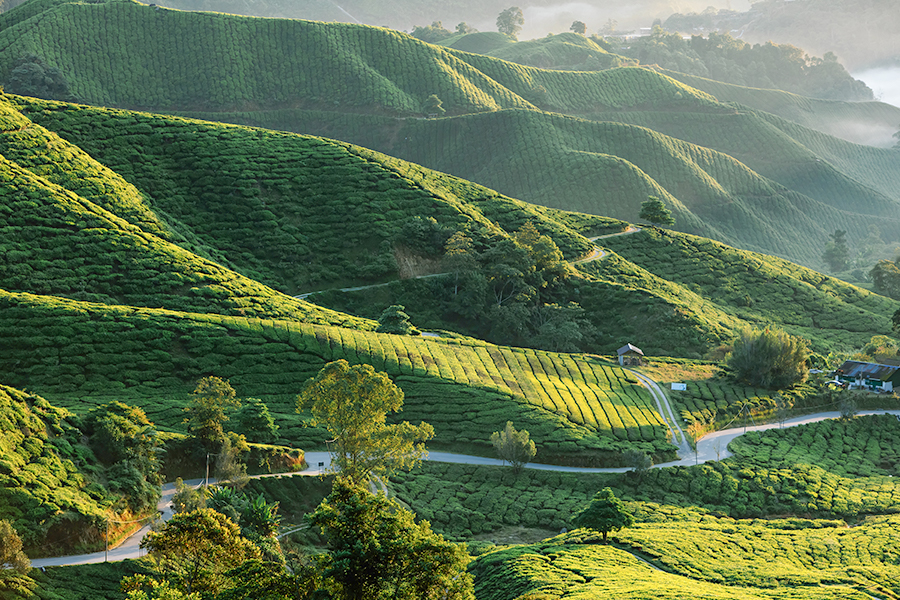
x,y
884,81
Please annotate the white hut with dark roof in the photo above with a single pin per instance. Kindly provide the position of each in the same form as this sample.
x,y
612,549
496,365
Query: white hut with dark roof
x,y
630,356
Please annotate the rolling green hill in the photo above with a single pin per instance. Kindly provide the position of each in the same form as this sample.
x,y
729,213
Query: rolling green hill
x,y
277,213
43,492
368,85
83,354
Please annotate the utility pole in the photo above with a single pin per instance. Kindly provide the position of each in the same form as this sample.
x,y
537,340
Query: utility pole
x,y
106,556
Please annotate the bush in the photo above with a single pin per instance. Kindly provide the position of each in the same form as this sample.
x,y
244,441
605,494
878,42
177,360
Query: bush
x,y
769,358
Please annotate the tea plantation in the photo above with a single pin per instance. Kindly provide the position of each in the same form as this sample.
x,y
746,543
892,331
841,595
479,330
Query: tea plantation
x,y
751,179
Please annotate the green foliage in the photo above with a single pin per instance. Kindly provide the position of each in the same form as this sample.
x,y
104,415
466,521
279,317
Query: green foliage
x,y
605,514
654,211
187,499
724,58
376,549
513,446
254,421
510,21
194,550
837,252
32,76
433,106
769,358
394,320
826,311
886,279
14,565
352,403
207,412
432,34
47,489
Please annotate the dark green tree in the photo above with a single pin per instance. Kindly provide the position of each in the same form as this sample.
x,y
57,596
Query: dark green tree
x,y
32,76
769,358
605,513
837,251
638,461
432,34
377,550
394,320
513,446
352,403
125,440
14,565
510,21
207,411
579,27
654,211
886,279
433,106
255,421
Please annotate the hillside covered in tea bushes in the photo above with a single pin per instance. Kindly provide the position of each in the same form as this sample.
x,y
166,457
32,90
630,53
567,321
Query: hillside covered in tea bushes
x,y
738,175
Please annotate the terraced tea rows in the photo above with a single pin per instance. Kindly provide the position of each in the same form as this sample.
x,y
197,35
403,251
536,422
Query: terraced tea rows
x,y
466,389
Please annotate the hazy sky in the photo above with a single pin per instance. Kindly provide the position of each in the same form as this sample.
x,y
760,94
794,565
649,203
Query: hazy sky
x,y
884,82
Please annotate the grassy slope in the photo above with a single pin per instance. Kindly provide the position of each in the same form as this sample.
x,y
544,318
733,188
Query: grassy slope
x,y
756,288
611,167
83,354
295,212
371,72
42,491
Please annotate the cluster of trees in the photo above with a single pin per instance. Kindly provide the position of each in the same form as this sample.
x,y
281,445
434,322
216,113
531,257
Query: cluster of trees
x,y
510,284
724,58
225,546
509,23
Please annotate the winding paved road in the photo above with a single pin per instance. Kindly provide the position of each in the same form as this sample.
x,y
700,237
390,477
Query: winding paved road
x,y
710,448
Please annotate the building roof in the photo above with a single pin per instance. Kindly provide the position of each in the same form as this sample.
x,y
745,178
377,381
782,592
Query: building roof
x,y
863,370
629,348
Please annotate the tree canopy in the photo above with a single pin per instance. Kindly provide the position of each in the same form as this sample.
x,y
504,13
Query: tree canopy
x,y
510,21
207,412
195,550
578,27
653,210
377,550
837,251
394,320
605,513
769,358
352,403
514,447
14,565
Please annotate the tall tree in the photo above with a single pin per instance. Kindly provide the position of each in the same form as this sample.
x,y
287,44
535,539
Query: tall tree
x,y
510,21
352,403
605,513
255,421
513,446
14,565
377,550
207,412
886,279
837,251
654,211
579,27
434,106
